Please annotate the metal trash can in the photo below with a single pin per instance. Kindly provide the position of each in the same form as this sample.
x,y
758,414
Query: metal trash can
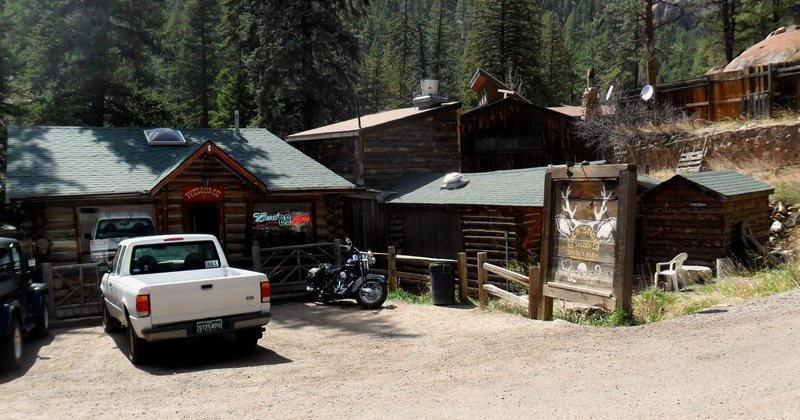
x,y
443,279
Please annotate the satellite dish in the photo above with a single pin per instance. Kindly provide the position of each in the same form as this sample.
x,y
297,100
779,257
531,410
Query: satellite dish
x,y
610,90
647,93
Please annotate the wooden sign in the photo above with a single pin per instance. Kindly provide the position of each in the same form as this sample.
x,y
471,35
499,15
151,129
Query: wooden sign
x,y
587,247
201,194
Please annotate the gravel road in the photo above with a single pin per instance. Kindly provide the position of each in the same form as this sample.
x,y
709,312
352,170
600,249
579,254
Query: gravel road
x,y
409,361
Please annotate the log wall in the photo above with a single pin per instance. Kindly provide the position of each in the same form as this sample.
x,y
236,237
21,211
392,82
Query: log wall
x,y
685,219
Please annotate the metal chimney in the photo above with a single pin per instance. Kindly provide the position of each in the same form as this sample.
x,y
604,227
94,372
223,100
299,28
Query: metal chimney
x,y
429,95
236,120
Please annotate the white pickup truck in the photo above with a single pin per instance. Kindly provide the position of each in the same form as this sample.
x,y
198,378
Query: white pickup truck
x,y
177,286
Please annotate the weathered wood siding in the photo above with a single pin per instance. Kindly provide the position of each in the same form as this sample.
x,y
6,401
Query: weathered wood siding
x,y
723,96
427,142
534,136
336,154
686,219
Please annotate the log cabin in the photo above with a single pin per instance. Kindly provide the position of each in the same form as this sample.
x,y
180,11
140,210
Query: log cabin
x,y
241,185
702,214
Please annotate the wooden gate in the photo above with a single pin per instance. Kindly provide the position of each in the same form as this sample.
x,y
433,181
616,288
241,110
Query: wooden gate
x,y
74,290
287,266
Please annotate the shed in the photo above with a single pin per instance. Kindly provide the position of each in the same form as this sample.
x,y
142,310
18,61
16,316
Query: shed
x,y
702,214
239,185
499,212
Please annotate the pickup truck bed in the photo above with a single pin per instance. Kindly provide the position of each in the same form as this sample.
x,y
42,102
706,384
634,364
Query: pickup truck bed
x,y
168,287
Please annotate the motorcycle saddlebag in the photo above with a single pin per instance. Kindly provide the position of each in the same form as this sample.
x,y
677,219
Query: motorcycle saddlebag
x,y
317,272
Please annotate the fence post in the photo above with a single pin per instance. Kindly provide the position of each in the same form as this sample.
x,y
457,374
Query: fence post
x,y
483,297
392,268
337,251
255,252
47,277
534,291
462,277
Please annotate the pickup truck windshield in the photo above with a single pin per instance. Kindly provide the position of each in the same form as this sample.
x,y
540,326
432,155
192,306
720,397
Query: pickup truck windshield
x,y
123,228
179,256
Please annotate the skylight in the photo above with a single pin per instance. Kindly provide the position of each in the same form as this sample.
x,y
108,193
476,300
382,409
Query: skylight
x,y
164,137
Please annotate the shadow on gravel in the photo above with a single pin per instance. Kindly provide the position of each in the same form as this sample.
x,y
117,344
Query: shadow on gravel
x,y
345,317
30,354
201,353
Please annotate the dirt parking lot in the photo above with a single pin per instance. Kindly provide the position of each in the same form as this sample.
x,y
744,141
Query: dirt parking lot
x,y
408,361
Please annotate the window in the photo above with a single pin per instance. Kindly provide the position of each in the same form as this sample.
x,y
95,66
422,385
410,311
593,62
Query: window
x,y
178,256
16,256
282,224
124,228
5,265
118,259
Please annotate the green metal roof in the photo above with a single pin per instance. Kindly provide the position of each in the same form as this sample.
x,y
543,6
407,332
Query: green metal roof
x,y
727,183
63,161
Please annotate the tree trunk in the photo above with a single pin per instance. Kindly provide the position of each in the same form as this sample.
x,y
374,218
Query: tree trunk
x,y
650,38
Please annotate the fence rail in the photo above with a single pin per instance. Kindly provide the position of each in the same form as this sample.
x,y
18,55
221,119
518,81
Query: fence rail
x,y
394,275
532,282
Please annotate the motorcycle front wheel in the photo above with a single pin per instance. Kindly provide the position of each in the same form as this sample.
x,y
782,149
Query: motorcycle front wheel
x,y
372,294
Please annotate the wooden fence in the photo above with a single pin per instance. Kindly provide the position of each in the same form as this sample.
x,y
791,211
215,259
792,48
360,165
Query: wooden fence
x,y
414,268
533,302
74,289
754,92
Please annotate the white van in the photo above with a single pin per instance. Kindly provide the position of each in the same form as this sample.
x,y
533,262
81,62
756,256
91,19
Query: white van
x,y
114,227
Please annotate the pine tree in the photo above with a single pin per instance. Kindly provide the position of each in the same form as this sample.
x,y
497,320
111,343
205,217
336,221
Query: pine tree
x,y
504,41
87,62
191,59
299,61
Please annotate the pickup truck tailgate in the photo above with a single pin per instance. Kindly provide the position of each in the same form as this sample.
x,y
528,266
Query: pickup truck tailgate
x,y
227,292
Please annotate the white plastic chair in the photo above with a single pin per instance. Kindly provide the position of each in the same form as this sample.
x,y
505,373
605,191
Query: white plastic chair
x,y
674,270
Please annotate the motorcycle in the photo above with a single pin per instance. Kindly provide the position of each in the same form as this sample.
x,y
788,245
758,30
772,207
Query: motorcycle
x,y
351,280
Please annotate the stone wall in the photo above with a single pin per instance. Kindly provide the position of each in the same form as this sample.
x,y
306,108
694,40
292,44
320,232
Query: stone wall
x,y
778,145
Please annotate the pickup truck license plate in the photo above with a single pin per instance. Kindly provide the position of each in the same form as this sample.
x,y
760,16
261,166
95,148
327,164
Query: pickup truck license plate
x,y
204,327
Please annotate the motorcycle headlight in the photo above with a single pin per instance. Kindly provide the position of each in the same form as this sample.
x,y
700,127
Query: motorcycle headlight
x,y
370,257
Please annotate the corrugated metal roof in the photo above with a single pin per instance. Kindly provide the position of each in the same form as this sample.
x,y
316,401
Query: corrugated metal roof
x,y
60,161
727,183
349,128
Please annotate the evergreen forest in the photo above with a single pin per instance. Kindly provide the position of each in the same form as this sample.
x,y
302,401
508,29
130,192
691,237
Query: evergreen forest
x,y
294,65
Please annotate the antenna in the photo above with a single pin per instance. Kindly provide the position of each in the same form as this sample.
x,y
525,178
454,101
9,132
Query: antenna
x,y
647,93
608,93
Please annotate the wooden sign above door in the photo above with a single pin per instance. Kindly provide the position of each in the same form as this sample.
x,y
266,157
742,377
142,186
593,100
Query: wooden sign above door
x,y
201,194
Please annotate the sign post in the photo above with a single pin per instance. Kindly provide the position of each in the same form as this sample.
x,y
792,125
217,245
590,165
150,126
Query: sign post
x,y
589,233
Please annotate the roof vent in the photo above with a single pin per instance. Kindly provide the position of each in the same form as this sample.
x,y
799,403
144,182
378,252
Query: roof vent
x,y
454,181
164,137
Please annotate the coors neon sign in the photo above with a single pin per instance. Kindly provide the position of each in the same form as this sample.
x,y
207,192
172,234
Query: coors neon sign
x,y
201,194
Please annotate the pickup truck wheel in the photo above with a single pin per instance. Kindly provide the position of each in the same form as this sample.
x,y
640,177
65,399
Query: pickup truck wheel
x,y
248,339
110,324
11,348
42,328
137,348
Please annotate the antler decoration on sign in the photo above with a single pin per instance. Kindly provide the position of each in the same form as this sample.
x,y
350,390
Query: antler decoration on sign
x,y
565,207
599,213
